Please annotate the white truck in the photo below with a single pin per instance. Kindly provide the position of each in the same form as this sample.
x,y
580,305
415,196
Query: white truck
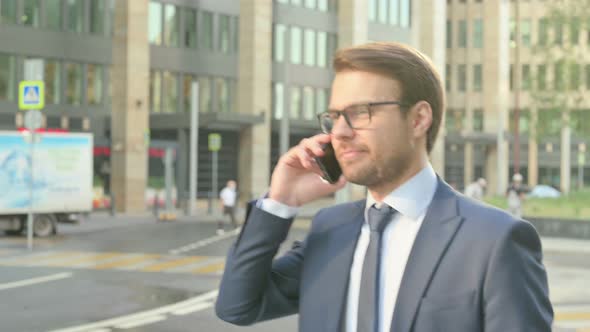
x,y
55,182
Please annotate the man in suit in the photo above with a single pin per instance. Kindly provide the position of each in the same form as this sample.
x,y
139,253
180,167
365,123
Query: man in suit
x,y
415,255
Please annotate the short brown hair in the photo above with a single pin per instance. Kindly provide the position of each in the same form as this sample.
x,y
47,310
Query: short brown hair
x,y
414,71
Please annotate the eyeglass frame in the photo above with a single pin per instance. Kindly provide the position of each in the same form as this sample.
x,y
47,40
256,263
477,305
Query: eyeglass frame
x,y
347,119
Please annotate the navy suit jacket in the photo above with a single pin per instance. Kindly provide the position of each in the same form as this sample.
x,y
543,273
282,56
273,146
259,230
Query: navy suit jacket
x,y
472,268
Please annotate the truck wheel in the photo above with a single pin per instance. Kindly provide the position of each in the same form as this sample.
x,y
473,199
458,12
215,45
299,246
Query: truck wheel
x,y
44,225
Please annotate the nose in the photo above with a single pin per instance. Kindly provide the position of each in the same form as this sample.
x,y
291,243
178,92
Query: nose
x,y
341,129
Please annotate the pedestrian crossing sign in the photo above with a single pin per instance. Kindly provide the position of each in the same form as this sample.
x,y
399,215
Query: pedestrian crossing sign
x,y
31,95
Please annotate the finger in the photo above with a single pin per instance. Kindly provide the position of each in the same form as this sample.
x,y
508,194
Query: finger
x,y
314,145
305,159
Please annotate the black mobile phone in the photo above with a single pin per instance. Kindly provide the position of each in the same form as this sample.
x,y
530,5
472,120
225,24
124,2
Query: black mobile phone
x,y
329,164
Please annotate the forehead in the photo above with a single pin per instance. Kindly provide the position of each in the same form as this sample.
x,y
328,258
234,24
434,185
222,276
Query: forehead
x,y
353,87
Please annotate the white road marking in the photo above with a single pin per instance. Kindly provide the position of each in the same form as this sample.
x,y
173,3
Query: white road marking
x,y
573,324
33,281
205,242
195,308
162,311
140,322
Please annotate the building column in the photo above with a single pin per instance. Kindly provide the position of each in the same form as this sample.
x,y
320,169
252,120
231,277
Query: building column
x,y
496,95
182,165
566,153
254,96
129,116
533,169
426,35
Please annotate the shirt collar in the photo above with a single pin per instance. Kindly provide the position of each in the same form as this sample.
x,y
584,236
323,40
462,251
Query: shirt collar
x,y
413,197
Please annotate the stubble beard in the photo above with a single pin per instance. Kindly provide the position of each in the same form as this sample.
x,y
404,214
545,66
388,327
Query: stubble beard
x,y
376,173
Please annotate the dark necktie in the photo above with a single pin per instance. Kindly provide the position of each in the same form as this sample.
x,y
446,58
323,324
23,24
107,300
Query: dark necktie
x,y
368,309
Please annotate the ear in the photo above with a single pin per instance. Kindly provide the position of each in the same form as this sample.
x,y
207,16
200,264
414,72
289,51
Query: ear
x,y
421,119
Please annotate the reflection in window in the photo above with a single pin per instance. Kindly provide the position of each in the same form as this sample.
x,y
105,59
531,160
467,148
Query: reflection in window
x,y
296,41
155,23
295,105
308,103
279,100
171,25
279,42
477,78
155,91
75,10
478,33
53,14
94,81
309,47
406,12
223,40
204,94
8,11
7,77
97,15
321,100
322,48
206,31
222,88
52,82
190,28
31,13
170,92
73,83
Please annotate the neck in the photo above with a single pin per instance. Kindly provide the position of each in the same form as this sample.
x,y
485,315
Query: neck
x,y
381,190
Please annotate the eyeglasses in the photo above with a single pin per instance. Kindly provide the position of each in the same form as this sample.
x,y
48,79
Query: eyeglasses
x,y
356,116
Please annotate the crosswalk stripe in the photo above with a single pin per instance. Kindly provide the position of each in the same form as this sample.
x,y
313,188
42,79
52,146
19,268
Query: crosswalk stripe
x,y
129,261
91,257
559,316
210,268
173,263
40,258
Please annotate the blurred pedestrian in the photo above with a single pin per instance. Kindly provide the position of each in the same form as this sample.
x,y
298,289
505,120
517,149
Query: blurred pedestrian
x,y
228,197
476,189
515,195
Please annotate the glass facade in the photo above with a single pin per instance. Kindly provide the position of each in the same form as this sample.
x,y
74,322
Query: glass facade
x,y
223,97
187,81
8,11
97,17
190,28
308,103
75,11
322,49
462,77
53,14
278,100
206,31
155,23
94,84
170,92
223,40
31,13
155,91
478,33
295,102
52,76
296,45
73,83
321,100
204,94
462,33
477,78
7,77
171,25
279,42
310,47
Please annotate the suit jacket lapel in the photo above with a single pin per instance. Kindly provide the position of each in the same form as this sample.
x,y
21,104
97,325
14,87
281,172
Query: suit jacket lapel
x,y
437,230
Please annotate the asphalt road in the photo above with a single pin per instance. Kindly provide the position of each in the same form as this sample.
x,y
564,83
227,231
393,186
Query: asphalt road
x,y
136,274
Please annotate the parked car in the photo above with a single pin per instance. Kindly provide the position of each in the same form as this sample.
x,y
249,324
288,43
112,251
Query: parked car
x,y
544,191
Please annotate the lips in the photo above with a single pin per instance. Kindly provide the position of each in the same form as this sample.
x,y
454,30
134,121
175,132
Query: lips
x,y
349,154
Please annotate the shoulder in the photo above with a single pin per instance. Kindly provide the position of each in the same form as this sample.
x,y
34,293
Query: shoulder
x,y
333,216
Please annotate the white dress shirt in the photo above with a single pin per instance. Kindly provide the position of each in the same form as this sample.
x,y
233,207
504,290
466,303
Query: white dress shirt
x,y
411,201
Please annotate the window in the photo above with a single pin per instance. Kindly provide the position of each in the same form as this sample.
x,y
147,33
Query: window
x,y
279,42
477,78
462,77
310,4
205,94
543,31
295,105
448,76
171,25
462,33
297,3
542,77
372,10
187,83
155,23
236,34
223,40
575,30
296,41
394,12
279,100
222,87
190,28
8,11
155,91
382,12
574,76
559,78
526,77
323,5
549,123
308,103
97,17
558,34
525,30
454,121
511,78
512,33
310,44
322,48
405,10
478,118
523,121
7,77
478,33
52,77
449,34
170,92
73,83
94,81
321,100
206,31
31,13
53,14
75,10
587,72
